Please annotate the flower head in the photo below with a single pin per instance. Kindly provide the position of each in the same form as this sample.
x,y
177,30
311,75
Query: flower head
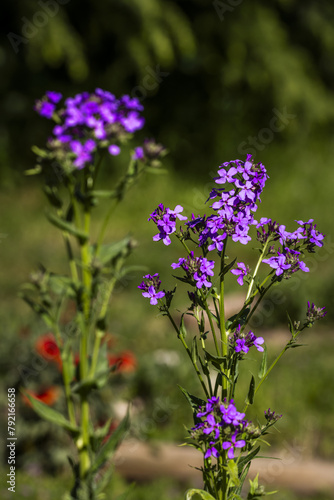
x,y
150,287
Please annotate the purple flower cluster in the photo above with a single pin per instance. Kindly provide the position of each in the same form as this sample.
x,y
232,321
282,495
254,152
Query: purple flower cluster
x,y
150,288
235,207
197,269
241,343
165,219
314,313
89,121
221,428
287,260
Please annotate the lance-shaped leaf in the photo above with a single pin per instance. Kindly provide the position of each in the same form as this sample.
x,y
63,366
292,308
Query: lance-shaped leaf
x,y
263,367
203,494
87,385
241,319
251,391
216,361
109,448
52,195
243,461
232,470
228,267
194,350
194,401
66,226
50,414
182,328
109,252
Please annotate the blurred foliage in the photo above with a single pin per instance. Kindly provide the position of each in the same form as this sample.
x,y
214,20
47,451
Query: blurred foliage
x,y
213,77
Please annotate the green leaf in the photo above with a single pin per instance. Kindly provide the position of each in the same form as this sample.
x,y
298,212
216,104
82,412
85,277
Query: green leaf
x,y
247,459
241,319
228,267
111,251
217,361
85,386
52,195
62,285
291,326
251,391
194,350
242,479
203,494
66,226
33,171
50,414
104,193
108,449
232,470
194,401
40,152
182,328
263,367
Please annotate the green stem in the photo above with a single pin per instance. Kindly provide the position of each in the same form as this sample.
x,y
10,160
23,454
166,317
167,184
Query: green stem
x,y
262,294
250,288
98,332
104,226
285,348
223,333
209,315
66,376
207,367
180,336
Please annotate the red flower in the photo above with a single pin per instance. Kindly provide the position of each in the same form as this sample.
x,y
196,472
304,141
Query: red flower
x,y
49,396
123,362
47,347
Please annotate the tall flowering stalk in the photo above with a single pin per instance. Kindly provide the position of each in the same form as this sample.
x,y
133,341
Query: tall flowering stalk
x,y
87,129
223,433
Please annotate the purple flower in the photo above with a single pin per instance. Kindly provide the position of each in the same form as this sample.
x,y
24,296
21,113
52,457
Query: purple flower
x,y
47,109
153,295
278,263
210,405
138,154
211,451
212,426
197,268
114,150
231,445
165,219
54,97
258,343
82,152
230,414
241,272
177,212
241,346
150,287
242,343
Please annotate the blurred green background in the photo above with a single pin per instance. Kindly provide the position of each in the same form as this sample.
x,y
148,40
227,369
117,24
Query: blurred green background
x,y
217,80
